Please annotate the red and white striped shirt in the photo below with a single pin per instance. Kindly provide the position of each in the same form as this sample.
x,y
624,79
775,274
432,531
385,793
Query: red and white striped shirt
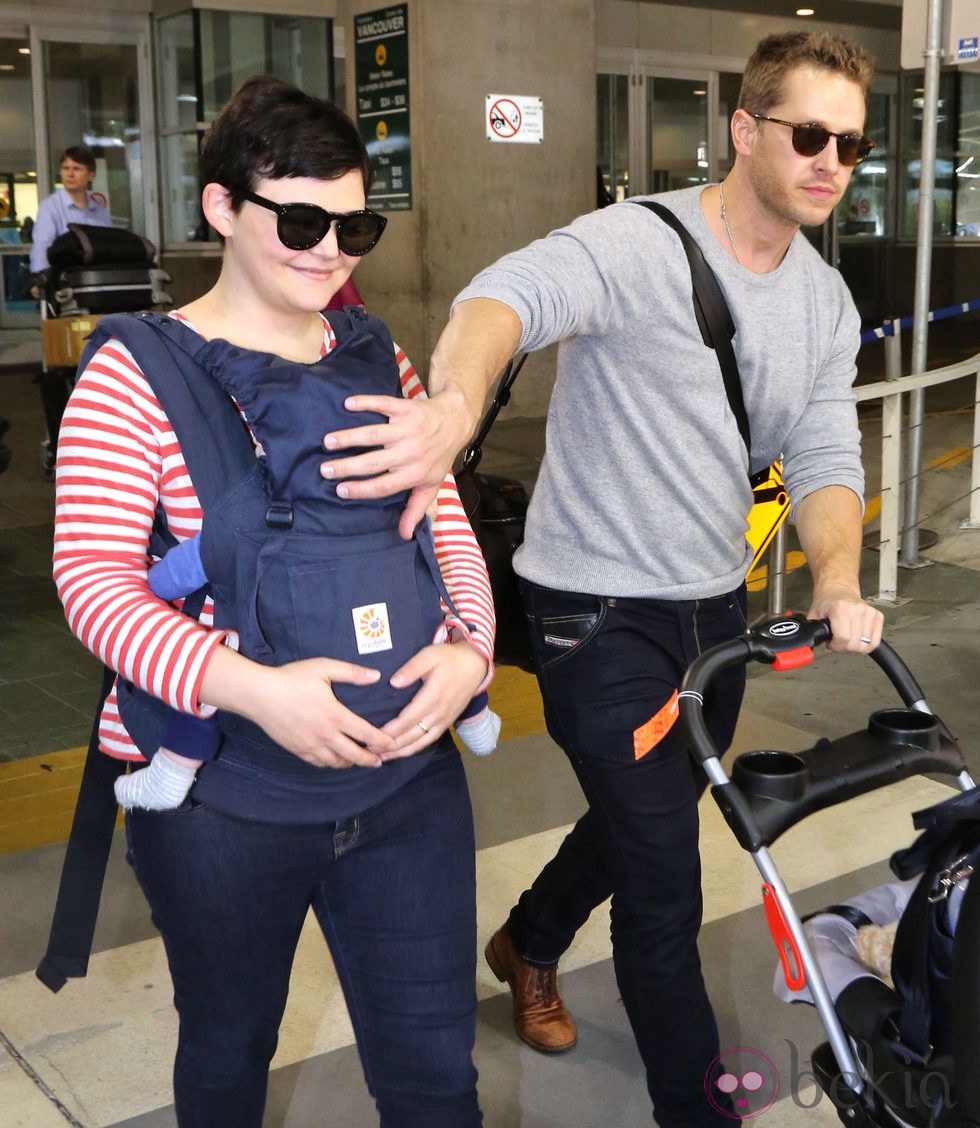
x,y
117,456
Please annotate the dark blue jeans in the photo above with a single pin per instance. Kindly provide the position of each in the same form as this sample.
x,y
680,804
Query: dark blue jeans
x,y
606,666
393,890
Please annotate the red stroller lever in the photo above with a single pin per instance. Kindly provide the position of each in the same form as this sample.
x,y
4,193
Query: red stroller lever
x,y
793,971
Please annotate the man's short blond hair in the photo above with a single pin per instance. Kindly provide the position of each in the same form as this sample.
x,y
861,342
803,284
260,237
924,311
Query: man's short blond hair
x,y
776,55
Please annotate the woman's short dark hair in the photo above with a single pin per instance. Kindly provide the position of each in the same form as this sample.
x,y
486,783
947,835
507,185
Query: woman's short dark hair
x,y
272,130
80,154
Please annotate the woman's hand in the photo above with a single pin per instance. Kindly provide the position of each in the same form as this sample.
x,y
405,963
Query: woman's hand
x,y
450,674
295,705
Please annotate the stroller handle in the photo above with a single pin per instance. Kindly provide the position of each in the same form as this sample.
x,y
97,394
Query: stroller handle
x,y
783,642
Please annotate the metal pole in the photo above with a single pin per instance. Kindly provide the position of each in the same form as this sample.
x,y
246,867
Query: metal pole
x,y
776,573
893,350
923,266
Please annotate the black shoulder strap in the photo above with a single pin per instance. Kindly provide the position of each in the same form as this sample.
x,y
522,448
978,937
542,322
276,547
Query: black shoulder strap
x,y
473,452
86,857
714,320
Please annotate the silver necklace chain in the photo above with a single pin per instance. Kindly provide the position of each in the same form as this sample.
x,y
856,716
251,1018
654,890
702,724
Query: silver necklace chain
x,y
724,220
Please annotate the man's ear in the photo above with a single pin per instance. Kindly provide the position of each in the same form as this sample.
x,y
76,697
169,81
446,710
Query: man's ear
x,y
744,130
216,203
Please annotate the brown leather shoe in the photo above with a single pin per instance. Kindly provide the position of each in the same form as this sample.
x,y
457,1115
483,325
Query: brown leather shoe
x,y
540,1017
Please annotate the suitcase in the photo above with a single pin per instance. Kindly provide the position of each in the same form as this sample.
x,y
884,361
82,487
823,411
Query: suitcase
x,y
111,288
85,244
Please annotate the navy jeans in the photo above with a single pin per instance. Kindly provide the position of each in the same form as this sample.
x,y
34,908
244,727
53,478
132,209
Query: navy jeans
x,y
393,890
606,666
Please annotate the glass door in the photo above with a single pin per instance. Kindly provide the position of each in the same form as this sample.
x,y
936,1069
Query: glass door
x,y
18,182
657,129
676,138
92,98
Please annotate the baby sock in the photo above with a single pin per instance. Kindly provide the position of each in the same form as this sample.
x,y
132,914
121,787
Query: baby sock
x,y
480,733
161,786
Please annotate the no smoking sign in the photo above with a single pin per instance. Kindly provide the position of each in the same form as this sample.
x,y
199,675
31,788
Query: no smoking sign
x,y
514,118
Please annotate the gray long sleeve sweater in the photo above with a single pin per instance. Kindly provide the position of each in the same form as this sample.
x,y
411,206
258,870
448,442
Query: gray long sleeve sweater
x,y
643,490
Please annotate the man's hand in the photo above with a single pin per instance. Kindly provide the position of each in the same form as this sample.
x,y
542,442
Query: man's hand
x,y
423,436
416,448
828,523
855,624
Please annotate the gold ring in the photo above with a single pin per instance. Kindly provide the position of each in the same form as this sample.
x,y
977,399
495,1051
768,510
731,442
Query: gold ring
x,y
866,640
424,727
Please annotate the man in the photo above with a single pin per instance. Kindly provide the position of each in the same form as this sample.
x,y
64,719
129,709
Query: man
x,y
72,203
635,556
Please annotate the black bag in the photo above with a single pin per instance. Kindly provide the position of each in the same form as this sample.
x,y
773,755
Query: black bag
x,y
496,508
946,853
86,244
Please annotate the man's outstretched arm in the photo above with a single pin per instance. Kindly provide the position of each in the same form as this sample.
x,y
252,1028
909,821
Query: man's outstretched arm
x,y
417,445
828,523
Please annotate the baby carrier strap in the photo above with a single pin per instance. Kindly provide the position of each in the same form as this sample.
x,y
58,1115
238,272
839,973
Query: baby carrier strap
x,y
214,440
922,958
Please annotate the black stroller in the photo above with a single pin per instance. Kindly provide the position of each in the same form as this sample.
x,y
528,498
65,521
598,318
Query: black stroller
x,y
869,1075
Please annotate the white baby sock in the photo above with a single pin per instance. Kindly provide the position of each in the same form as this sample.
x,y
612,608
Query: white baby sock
x,y
480,733
161,786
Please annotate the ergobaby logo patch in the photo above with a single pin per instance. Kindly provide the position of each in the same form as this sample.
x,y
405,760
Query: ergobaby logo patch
x,y
371,628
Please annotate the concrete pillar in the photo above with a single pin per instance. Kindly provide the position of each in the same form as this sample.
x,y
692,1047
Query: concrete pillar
x,y
473,199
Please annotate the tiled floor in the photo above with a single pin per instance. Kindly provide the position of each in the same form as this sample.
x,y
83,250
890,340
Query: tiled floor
x,y
98,1053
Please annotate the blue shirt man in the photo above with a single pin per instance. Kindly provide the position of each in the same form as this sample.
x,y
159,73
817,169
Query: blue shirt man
x,y
71,204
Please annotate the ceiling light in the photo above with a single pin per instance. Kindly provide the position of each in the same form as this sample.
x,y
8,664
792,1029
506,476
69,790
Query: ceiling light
x,y
804,11
23,50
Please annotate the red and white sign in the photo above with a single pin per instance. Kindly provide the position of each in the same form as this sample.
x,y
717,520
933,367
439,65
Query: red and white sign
x,y
514,118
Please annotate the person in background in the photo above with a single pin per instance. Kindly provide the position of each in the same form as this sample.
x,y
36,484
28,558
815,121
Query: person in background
x,y
635,554
72,203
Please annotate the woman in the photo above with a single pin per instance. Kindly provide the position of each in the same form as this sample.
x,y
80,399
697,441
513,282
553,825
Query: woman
x,y
367,822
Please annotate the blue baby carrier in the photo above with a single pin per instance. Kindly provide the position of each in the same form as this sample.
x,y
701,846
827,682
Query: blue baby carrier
x,y
295,569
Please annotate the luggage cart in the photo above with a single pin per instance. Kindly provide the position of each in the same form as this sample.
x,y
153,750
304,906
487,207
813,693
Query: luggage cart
x,y
770,791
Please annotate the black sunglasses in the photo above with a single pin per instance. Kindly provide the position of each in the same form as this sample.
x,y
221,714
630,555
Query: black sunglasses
x,y
301,226
810,139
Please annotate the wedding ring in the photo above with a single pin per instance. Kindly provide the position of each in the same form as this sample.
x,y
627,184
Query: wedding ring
x,y
866,640
424,727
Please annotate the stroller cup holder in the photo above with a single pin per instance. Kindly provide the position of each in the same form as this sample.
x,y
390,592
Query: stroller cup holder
x,y
771,791
906,726
771,775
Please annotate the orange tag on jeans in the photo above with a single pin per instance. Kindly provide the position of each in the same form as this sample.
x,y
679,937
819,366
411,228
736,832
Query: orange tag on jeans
x,y
648,736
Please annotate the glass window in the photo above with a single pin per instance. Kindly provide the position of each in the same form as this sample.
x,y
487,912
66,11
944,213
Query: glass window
x,y
729,88
967,169
956,191
203,57
864,210
612,157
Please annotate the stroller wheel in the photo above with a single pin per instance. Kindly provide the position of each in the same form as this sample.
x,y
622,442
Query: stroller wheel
x,y
852,1108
